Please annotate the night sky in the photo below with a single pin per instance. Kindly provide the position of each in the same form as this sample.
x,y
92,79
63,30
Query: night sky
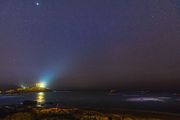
x,y
86,44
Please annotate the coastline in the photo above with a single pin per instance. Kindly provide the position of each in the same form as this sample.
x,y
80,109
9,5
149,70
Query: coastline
x,y
57,113
28,106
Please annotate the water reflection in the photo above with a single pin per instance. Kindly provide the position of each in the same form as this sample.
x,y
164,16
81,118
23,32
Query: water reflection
x,y
40,98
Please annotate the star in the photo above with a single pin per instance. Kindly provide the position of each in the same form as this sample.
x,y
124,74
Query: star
x,y
37,3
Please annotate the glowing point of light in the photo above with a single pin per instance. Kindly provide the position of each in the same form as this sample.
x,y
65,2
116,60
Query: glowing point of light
x,y
22,86
37,3
41,84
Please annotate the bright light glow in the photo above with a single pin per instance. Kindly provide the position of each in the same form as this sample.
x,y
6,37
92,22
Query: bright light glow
x,y
37,3
22,86
41,84
40,97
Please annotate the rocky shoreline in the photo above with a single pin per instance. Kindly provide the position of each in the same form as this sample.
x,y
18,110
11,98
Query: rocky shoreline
x,y
28,111
24,91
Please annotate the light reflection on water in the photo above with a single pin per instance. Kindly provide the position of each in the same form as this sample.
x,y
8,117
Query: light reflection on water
x,y
79,99
40,98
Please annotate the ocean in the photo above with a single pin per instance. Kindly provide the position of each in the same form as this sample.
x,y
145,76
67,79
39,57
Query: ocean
x,y
162,102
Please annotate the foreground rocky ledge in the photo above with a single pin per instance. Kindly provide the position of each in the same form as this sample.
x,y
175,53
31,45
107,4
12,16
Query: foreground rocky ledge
x,y
78,114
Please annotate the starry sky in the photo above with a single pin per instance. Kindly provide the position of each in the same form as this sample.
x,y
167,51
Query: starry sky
x,y
86,44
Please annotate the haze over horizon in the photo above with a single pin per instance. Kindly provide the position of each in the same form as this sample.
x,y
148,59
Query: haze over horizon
x,y
91,44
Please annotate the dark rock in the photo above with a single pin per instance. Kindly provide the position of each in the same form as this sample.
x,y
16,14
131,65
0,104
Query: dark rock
x,y
29,103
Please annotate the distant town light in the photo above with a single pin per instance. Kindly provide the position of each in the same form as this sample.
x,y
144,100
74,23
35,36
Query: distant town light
x,y
22,86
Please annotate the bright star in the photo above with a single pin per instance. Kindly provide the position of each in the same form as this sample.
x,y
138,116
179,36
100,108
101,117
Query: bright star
x,y
37,3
